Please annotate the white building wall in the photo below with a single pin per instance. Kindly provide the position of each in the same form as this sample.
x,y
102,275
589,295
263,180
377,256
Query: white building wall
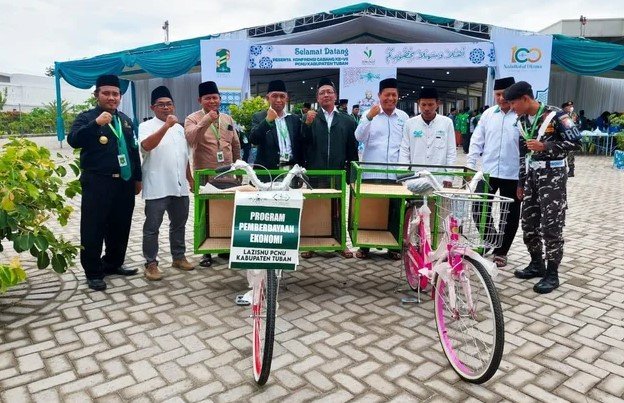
x,y
26,92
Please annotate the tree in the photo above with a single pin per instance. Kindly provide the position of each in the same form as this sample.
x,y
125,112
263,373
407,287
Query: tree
x,y
3,97
242,114
296,108
49,71
30,196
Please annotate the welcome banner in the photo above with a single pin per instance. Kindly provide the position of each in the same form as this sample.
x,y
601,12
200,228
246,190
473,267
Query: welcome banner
x,y
402,55
525,57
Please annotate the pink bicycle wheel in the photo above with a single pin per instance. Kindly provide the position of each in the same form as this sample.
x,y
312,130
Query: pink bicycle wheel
x,y
263,310
471,330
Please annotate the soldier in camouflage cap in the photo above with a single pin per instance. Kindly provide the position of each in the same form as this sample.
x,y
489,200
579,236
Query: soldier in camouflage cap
x,y
548,134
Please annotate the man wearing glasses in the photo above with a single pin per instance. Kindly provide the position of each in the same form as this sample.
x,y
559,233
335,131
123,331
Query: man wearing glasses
x,y
166,181
329,138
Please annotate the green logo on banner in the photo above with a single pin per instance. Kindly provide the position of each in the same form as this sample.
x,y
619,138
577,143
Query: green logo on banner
x,y
223,58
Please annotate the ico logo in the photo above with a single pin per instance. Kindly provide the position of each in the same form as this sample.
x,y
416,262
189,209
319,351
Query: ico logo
x,y
524,55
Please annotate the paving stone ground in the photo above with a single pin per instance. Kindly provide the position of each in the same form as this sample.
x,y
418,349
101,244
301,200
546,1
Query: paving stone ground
x,y
342,332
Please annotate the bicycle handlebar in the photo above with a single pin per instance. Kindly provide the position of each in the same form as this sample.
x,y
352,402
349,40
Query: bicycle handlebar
x,y
223,169
472,185
295,171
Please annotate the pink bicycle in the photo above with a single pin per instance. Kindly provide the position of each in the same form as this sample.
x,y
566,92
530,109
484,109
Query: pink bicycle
x,y
468,314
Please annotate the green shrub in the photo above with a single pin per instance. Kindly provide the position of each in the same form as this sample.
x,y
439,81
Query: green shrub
x,y
31,195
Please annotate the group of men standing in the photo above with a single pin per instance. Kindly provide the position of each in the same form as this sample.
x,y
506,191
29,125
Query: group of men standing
x,y
327,138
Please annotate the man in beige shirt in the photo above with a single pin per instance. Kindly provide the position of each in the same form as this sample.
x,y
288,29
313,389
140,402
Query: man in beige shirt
x,y
213,139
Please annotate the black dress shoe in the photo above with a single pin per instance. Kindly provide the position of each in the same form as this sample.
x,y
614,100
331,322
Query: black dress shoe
x,y
206,261
122,271
96,284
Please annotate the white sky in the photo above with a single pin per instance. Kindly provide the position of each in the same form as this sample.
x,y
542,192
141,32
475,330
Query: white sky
x,y
35,33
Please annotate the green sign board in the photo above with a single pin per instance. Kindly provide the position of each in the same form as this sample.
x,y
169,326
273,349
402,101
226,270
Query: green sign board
x,y
265,230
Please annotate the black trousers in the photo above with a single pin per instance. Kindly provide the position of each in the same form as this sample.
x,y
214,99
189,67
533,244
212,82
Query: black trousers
x,y
507,188
105,218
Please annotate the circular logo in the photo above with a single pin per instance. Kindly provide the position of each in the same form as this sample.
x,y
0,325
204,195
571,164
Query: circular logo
x,y
477,56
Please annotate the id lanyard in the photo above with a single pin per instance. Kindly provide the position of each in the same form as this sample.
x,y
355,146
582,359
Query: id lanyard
x,y
530,135
117,128
122,149
220,157
283,133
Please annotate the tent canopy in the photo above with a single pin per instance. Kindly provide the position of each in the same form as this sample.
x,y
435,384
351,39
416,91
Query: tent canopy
x,y
354,24
586,57
359,23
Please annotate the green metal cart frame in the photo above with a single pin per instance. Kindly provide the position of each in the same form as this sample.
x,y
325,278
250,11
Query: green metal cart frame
x,y
391,237
336,193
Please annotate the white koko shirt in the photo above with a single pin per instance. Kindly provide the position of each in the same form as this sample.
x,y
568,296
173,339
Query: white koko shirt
x,y
382,138
496,139
164,167
428,144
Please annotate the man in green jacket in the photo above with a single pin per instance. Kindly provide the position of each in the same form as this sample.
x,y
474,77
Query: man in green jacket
x,y
328,138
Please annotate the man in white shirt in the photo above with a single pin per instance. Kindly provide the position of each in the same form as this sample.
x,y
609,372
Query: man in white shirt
x,y
496,139
381,132
166,181
429,138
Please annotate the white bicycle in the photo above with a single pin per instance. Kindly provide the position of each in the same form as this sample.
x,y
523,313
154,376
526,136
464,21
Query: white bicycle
x,y
264,283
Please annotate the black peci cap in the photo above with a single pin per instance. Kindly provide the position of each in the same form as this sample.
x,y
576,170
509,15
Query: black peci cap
x,y
207,88
325,81
277,85
107,79
503,83
160,92
388,83
428,93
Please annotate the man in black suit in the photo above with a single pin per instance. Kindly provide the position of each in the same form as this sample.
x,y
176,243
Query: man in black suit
x,y
276,133
329,140
110,178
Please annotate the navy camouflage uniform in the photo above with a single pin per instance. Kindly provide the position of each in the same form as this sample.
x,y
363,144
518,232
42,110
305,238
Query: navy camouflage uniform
x,y
543,176
571,164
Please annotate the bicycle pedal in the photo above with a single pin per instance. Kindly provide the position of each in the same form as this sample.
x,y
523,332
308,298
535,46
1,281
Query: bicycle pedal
x,y
410,300
241,301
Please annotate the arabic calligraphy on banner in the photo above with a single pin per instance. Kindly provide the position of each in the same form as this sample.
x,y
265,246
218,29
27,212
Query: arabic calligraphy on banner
x,y
404,55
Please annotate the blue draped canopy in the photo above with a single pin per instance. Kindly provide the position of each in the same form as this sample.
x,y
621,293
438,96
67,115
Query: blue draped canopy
x,y
586,57
577,55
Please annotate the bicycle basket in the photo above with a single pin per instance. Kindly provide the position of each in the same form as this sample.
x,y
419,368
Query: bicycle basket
x,y
480,218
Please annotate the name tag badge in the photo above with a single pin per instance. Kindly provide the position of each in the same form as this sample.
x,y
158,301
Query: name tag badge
x,y
220,157
122,160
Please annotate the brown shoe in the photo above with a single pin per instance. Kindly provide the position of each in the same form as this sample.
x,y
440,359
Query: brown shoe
x,y
183,264
152,272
